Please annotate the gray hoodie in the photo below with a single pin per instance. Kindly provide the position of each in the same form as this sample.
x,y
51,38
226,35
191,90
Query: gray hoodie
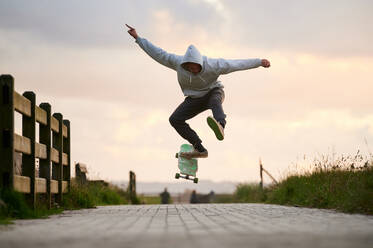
x,y
200,84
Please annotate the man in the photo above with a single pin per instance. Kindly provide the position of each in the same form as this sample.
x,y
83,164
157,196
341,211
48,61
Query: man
x,y
198,79
165,197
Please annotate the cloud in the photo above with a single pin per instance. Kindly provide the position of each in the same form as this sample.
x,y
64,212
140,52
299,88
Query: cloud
x,y
96,23
62,22
334,28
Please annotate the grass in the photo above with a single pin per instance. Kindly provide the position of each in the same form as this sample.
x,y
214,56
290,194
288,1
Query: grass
x,y
13,205
92,195
224,198
250,193
343,183
348,191
150,199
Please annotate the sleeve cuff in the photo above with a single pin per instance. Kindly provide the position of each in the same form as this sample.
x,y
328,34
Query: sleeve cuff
x,y
259,62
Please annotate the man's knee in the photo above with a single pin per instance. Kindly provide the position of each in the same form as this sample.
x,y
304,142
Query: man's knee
x,y
174,121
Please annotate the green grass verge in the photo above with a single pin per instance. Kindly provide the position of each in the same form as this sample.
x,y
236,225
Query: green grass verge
x,y
13,205
224,198
250,193
345,190
92,195
146,199
149,199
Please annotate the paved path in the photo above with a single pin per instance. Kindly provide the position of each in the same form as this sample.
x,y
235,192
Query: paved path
x,y
206,225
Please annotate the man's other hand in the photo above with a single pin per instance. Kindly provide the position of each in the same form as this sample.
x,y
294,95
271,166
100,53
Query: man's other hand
x,y
132,31
266,63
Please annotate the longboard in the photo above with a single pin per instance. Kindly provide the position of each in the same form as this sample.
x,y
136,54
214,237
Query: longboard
x,y
188,167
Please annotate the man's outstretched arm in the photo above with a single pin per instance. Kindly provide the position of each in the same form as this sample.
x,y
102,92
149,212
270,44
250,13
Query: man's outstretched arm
x,y
225,66
167,59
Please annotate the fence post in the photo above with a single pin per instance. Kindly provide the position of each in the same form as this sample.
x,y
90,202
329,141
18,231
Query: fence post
x,y
77,174
58,145
67,150
261,173
81,174
7,131
28,160
45,164
132,187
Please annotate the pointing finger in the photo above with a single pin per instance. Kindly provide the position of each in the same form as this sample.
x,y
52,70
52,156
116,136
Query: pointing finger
x,y
128,26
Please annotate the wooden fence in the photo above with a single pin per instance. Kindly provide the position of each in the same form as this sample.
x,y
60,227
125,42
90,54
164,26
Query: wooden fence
x,y
81,178
52,179
81,173
261,174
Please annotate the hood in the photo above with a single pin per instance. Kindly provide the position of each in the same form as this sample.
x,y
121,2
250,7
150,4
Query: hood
x,y
192,55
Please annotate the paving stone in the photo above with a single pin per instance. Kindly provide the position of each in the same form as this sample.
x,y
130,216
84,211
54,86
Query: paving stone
x,y
202,225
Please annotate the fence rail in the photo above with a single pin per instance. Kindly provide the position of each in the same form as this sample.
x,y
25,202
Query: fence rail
x,y
52,150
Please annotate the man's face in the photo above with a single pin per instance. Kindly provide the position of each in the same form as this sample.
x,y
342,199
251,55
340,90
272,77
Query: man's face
x,y
192,67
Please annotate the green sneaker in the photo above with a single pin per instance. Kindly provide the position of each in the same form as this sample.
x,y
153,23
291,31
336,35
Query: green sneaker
x,y
216,127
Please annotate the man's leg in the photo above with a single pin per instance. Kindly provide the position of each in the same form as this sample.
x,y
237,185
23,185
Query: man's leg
x,y
185,111
217,123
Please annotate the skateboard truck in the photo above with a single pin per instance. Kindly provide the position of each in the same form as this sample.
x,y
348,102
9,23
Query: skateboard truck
x,y
194,179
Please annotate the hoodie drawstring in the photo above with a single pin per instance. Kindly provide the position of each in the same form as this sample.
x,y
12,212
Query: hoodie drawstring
x,y
190,79
202,79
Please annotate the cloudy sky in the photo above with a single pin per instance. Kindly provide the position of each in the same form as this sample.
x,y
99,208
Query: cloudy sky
x,y
315,99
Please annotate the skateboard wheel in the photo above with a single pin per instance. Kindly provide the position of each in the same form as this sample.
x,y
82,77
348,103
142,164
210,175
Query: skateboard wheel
x,y
177,155
195,180
177,175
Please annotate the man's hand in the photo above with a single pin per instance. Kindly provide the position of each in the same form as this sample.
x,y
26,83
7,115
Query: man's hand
x,y
265,63
132,31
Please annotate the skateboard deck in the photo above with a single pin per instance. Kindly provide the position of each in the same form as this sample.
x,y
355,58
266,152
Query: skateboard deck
x,y
188,167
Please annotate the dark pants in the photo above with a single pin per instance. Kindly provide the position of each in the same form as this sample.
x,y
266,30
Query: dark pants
x,y
192,107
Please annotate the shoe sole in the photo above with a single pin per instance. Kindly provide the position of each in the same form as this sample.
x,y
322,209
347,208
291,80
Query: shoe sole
x,y
194,156
214,126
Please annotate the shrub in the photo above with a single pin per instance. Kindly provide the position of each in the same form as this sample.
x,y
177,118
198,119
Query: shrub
x,y
250,193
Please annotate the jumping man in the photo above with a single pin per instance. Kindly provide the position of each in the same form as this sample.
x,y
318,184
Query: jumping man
x,y
198,78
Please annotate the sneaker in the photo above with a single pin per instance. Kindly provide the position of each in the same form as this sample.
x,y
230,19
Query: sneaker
x,y
216,127
198,152
194,154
